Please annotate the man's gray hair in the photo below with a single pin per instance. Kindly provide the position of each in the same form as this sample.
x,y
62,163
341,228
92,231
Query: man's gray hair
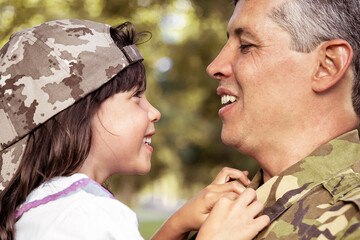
x,y
310,22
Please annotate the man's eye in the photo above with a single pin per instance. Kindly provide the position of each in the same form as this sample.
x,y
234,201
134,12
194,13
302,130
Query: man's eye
x,y
245,47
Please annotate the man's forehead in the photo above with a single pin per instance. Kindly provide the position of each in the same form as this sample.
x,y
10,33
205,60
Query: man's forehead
x,y
248,14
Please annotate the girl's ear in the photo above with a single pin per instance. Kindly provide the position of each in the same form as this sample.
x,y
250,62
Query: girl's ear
x,y
335,57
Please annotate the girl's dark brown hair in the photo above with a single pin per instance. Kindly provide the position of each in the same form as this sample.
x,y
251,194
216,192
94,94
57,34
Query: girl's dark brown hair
x,y
60,146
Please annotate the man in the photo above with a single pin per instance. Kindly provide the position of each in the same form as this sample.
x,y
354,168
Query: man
x,y
289,81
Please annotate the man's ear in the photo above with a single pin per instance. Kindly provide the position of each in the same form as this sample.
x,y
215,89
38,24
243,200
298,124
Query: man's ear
x,y
335,57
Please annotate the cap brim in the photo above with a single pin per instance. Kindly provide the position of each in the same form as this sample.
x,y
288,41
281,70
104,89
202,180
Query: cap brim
x,y
10,159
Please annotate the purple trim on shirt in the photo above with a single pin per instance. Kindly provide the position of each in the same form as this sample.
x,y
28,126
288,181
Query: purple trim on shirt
x,y
80,184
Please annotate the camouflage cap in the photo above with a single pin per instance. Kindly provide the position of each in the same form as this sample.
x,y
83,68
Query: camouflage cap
x,y
44,70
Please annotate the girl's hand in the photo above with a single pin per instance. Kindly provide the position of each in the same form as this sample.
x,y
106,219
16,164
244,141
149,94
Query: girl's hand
x,y
235,219
196,210
193,214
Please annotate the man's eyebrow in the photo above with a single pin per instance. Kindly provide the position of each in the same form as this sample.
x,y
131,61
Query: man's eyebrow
x,y
243,31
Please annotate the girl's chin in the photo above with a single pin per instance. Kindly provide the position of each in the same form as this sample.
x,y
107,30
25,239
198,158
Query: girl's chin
x,y
144,170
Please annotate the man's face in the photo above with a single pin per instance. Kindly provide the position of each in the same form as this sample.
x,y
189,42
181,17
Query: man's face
x,y
269,81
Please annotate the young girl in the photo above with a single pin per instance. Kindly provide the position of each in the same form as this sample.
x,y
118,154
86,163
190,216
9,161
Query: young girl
x,y
73,112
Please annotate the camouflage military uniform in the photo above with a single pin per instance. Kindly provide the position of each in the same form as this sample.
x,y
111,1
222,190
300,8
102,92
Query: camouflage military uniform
x,y
317,198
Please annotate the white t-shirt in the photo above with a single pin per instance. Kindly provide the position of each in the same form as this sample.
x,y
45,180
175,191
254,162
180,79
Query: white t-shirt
x,y
72,208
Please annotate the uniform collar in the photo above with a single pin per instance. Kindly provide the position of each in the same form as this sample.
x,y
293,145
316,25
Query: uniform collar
x,y
327,161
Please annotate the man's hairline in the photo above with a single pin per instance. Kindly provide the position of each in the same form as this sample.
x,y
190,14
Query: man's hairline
x,y
269,15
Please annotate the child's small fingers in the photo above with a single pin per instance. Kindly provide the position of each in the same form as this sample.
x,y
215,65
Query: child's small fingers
x,y
231,195
234,186
257,225
247,197
212,193
244,178
255,208
262,221
228,174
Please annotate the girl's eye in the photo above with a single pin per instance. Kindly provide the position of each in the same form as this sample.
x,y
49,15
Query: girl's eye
x,y
138,93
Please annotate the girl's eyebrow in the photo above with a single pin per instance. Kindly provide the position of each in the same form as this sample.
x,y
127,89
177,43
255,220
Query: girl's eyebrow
x,y
140,89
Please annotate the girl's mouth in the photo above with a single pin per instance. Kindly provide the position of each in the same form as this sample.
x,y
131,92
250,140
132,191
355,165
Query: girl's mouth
x,y
147,142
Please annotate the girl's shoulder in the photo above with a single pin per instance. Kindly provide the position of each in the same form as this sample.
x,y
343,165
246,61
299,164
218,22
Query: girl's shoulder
x,y
70,192
74,203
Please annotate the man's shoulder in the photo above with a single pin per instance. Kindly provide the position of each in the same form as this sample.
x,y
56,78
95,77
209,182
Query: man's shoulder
x,y
330,209
317,216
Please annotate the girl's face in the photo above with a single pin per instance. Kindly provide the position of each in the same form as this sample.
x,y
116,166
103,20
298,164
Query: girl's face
x,y
122,131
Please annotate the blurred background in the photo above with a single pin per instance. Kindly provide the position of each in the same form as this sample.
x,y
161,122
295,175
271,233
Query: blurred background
x,y
186,36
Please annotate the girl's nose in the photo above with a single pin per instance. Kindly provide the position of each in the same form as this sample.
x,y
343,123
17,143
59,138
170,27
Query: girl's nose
x,y
154,114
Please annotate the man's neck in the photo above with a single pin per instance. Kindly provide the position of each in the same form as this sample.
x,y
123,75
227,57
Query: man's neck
x,y
294,150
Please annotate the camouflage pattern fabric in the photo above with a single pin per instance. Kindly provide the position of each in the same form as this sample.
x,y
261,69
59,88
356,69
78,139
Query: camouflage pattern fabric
x,y
317,198
44,70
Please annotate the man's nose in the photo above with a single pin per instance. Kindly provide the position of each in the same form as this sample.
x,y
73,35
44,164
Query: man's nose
x,y
221,65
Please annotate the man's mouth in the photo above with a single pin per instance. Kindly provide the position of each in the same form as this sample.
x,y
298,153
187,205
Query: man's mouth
x,y
227,99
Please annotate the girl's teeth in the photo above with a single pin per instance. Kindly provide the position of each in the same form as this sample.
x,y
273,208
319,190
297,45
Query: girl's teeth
x,y
147,140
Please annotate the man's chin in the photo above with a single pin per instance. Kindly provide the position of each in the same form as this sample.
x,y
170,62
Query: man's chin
x,y
227,140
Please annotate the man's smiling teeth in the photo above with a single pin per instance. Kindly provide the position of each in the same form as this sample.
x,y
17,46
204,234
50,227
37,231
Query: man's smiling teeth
x,y
226,99
147,140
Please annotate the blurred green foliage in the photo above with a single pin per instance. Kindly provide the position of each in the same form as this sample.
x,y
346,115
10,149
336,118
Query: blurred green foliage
x,y
190,34
148,228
